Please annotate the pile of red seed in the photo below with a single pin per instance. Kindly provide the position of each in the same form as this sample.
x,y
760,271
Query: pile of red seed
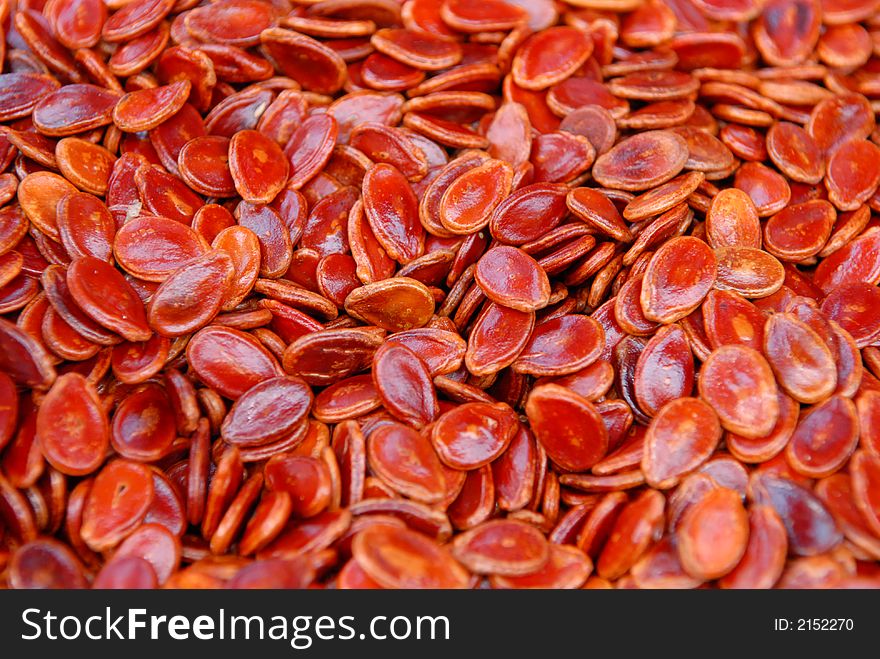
x,y
440,293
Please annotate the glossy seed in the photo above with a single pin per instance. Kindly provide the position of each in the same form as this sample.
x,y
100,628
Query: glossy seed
x,y
679,439
104,294
825,437
191,296
664,370
420,475
72,426
468,203
803,364
677,279
738,383
713,535
473,434
642,161
568,427
280,403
